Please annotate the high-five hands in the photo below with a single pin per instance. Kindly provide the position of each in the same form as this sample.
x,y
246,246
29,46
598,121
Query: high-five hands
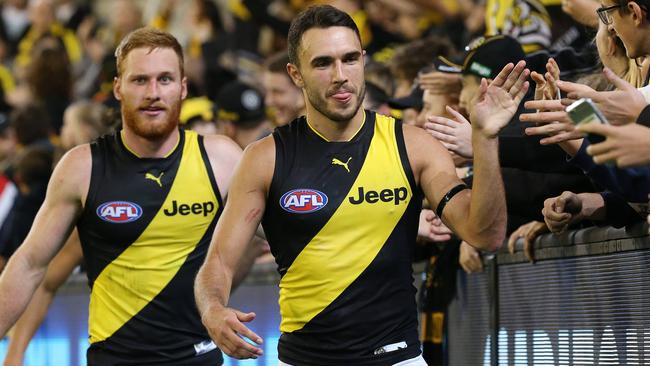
x,y
550,118
454,134
545,84
498,101
620,106
627,146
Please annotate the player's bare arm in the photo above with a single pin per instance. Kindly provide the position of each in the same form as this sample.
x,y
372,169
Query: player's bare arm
x,y
224,155
241,217
479,216
66,192
60,268
434,170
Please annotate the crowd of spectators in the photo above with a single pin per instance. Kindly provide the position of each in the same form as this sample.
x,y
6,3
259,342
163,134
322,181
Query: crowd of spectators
x,y
425,60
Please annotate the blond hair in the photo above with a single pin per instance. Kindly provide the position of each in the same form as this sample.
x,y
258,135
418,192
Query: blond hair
x,y
633,74
150,38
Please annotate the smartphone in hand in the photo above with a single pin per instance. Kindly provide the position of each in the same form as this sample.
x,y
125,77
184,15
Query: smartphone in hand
x,y
585,111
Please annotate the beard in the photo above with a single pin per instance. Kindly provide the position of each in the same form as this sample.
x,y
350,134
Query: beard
x,y
320,104
151,128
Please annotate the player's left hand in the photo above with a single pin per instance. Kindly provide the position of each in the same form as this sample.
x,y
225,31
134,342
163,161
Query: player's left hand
x,y
498,101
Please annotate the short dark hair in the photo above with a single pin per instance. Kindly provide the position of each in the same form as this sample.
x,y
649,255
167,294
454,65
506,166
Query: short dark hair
x,y
321,16
31,123
34,165
644,4
411,57
380,75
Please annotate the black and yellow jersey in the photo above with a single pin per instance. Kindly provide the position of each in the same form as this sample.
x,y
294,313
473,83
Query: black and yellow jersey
x,y
525,20
341,219
145,231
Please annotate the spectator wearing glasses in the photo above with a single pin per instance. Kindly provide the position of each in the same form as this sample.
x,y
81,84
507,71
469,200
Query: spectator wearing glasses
x,y
531,173
626,198
629,19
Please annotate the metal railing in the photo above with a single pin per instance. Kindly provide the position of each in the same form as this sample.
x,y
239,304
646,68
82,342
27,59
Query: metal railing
x,y
585,301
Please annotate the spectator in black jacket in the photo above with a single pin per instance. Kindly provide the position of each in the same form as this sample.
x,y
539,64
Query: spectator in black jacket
x,y
531,173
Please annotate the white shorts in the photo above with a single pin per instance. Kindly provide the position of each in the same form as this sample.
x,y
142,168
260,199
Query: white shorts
x,y
416,361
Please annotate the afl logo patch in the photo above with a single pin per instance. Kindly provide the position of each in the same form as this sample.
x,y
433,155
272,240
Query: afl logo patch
x,y
303,200
119,212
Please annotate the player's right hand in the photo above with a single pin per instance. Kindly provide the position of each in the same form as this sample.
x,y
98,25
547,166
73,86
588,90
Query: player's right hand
x,y
226,328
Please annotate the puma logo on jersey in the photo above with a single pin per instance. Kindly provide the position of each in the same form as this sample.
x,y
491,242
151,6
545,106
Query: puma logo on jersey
x,y
336,161
154,178
396,195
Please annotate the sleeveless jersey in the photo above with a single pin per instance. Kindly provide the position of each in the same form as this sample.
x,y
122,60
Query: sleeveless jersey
x,y
341,219
145,231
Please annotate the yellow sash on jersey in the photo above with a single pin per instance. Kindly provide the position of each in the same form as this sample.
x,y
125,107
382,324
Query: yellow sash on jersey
x,y
145,268
352,237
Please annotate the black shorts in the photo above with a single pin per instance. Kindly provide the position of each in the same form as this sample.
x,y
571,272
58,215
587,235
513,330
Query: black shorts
x,y
101,357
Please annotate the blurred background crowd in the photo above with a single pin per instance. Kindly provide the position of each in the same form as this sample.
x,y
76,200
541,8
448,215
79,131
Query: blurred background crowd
x,y
424,63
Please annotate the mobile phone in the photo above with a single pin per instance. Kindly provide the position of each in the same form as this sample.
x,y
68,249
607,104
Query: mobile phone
x,y
585,111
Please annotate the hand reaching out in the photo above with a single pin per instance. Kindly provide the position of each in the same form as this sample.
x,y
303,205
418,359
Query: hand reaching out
x,y
431,228
627,145
440,82
455,134
498,101
528,232
545,85
551,120
621,106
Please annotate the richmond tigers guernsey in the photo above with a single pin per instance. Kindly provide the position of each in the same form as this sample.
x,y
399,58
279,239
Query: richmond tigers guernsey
x,y
341,219
145,231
